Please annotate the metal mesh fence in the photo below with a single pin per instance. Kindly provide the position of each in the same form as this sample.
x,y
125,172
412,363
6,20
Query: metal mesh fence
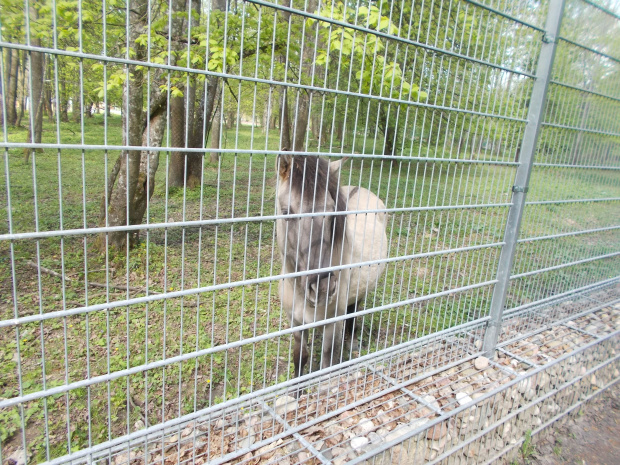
x,y
148,219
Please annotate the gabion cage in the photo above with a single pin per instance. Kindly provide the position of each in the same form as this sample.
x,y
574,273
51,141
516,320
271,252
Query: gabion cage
x,y
455,273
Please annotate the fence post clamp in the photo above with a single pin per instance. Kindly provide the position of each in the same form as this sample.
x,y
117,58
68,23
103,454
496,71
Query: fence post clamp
x,y
523,189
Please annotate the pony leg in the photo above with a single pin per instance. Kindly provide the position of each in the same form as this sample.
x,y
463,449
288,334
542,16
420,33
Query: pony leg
x,y
350,327
300,352
332,344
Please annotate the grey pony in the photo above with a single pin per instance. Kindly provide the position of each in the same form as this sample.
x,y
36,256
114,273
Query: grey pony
x,y
309,184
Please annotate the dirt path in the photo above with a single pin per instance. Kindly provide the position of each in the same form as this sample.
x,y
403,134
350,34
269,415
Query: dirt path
x,y
591,438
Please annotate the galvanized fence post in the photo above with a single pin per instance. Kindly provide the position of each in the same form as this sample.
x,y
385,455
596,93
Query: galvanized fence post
x,y
522,177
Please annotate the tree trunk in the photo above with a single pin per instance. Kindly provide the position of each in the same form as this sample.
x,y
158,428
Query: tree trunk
x,y
176,170
4,84
193,159
300,125
195,105
212,99
11,86
76,105
231,119
148,164
22,105
390,133
301,107
216,125
285,124
266,120
462,142
37,76
340,132
64,101
273,117
48,100
315,127
127,183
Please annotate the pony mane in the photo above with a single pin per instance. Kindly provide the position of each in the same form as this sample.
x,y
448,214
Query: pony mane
x,y
312,172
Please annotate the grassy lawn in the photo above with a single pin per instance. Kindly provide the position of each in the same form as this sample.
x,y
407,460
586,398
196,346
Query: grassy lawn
x,y
64,191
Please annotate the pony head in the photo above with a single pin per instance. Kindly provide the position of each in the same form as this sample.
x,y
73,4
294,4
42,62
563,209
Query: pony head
x,y
310,236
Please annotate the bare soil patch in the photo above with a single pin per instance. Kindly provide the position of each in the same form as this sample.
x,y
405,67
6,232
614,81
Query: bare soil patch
x,y
590,437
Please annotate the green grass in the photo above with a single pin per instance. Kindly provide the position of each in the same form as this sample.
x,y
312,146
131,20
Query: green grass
x,y
527,448
69,190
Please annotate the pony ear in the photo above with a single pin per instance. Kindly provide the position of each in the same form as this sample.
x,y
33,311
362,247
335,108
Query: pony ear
x,y
285,162
334,166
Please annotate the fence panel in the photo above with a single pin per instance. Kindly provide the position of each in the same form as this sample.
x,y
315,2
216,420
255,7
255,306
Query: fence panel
x,y
570,236
141,192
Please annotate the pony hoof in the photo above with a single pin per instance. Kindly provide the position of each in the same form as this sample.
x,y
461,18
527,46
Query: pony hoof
x,y
297,393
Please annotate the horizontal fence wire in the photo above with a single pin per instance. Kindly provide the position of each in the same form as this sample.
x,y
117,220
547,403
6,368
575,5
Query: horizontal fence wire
x,y
176,175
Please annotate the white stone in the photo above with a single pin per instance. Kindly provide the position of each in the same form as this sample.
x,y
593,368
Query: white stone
x,y
525,384
19,457
249,439
505,431
481,363
431,401
285,404
269,447
404,429
365,426
543,380
471,451
120,459
358,442
463,398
